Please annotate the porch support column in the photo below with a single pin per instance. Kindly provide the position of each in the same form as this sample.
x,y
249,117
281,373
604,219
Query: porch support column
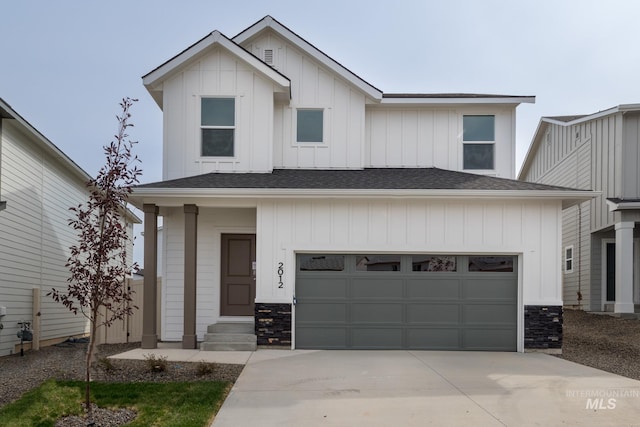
x,y
624,267
150,282
190,339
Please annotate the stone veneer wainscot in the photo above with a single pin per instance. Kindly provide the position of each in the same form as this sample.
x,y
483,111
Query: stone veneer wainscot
x,y
273,324
542,327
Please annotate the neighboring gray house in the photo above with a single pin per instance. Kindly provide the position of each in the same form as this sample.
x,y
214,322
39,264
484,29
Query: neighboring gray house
x,y
599,152
38,185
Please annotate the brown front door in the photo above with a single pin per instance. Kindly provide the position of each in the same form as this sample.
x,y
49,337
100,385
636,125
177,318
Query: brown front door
x,y
237,275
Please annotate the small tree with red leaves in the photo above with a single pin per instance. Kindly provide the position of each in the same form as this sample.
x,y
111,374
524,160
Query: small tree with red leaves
x,y
98,263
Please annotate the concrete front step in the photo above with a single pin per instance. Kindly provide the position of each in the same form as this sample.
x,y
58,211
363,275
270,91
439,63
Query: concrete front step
x,y
230,336
232,328
218,337
227,346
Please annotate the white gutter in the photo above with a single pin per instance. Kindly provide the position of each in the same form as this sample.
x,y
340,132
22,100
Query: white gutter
x,y
159,193
622,206
447,100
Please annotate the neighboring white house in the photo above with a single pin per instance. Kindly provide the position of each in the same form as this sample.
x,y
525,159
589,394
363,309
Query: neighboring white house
x,y
301,199
600,152
39,184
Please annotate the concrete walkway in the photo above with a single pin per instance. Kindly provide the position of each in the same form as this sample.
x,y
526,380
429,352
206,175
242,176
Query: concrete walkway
x,y
174,353
419,388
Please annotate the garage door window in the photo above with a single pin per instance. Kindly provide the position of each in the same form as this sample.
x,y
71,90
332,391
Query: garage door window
x,y
378,263
321,262
492,264
439,263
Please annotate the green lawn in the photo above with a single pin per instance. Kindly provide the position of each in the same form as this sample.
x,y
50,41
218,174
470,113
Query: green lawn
x,y
180,404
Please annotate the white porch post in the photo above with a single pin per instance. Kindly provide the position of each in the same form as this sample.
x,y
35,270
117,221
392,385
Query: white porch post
x,y
624,267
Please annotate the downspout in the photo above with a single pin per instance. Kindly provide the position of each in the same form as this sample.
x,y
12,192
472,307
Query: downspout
x,y
578,257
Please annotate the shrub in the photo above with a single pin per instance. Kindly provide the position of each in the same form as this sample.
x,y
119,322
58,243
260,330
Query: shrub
x,y
106,364
156,363
205,368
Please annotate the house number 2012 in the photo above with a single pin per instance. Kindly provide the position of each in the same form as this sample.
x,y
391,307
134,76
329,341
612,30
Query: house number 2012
x,y
280,273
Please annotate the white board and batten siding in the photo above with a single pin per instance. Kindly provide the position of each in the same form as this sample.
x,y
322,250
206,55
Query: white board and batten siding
x,y
530,230
218,74
212,223
314,86
432,137
35,236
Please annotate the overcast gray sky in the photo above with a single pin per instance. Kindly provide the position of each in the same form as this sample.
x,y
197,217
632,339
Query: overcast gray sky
x,y
65,65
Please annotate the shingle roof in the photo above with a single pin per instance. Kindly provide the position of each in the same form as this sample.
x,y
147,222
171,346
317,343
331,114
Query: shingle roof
x,y
364,179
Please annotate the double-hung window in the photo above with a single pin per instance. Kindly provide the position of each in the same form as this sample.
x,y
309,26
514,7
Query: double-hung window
x,y
310,125
478,136
568,259
217,126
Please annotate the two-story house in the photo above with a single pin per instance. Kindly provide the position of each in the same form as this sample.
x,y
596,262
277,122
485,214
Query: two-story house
x,y
601,245
306,203
38,183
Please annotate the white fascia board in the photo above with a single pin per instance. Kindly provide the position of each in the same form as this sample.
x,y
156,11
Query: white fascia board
x,y
440,101
300,43
623,108
621,206
151,195
216,37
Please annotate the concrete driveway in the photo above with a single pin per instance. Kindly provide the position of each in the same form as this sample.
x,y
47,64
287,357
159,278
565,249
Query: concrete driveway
x,y
421,388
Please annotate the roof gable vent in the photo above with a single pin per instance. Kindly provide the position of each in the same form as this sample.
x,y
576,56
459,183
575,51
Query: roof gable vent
x,y
268,56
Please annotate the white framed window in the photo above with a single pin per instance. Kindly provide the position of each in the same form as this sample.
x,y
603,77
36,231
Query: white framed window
x,y
568,259
478,147
217,127
310,125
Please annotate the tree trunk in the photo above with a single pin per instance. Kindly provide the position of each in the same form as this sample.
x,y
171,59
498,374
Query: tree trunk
x,y
87,387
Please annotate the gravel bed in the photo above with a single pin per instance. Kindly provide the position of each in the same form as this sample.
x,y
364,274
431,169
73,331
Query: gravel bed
x,y
65,361
601,341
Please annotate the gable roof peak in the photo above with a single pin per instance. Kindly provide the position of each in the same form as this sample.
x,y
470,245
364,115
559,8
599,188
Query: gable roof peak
x,y
270,22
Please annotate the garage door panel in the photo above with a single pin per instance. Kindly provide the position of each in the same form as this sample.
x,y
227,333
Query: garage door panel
x,y
434,339
376,313
433,287
319,312
454,309
378,338
489,339
490,289
433,314
321,338
329,287
489,314
376,287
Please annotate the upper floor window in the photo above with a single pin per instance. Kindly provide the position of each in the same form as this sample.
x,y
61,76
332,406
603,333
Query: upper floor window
x,y
478,136
310,124
217,124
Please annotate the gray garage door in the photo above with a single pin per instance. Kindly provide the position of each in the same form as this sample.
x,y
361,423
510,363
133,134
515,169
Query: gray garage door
x,y
430,302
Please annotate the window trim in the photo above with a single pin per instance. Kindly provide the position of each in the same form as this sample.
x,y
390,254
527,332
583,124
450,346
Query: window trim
x,y
474,142
569,260
202,127
324,141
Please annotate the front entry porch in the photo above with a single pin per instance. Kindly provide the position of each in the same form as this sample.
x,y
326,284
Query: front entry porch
x,y
209,293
